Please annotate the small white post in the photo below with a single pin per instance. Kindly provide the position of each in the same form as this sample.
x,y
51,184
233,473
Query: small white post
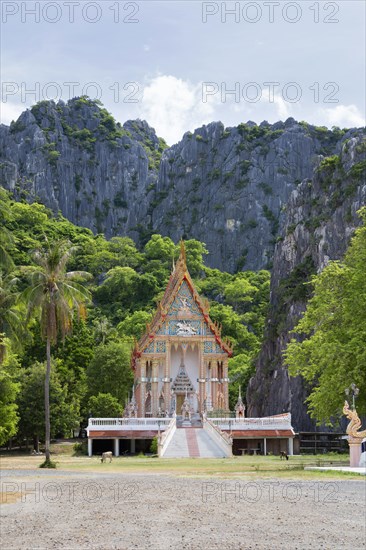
x,y
90,446
116,446
290,446
265,446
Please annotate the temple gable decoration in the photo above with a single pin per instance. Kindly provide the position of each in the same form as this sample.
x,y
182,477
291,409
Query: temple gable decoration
x,y
181,336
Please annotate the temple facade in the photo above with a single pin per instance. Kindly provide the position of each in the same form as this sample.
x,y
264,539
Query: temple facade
x,y
181,362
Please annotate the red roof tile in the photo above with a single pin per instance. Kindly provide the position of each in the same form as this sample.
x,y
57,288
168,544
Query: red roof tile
x,y
262,433
123,434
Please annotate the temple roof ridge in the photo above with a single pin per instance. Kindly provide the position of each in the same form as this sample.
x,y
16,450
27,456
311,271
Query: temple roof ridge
x,y
179,274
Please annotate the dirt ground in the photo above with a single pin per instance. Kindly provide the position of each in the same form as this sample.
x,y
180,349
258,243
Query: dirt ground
x,y
51,509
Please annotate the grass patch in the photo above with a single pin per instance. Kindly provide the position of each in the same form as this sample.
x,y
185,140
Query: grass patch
x,y
48,464
230,468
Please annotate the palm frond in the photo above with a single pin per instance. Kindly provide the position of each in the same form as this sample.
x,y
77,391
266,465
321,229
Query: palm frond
x,y
57,295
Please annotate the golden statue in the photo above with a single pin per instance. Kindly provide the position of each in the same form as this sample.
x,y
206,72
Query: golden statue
x,y
354,437
355,423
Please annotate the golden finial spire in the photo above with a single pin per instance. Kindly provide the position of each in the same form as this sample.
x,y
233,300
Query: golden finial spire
x,y
183,252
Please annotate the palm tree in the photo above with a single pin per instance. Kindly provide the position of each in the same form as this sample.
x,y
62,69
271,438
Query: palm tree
x,y
54,296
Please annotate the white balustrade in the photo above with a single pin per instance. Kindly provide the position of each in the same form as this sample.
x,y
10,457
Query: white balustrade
x,y
123,424
282,422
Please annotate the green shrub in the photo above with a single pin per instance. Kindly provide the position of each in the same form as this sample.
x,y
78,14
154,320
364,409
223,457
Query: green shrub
x,y
329,164
80,448
358,170
48,464
154,446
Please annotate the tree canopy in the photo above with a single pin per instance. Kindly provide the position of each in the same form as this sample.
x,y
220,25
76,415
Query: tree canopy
x,y
329,350
126,284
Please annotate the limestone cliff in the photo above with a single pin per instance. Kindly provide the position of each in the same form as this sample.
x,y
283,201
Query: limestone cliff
x,y
281,196
225,186
320,218
75,158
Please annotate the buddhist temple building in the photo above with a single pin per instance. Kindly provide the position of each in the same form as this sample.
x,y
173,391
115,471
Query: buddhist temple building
x,y
182,356
180,393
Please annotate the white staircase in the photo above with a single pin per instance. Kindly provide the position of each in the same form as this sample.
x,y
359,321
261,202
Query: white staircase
x,y
208,447
192,443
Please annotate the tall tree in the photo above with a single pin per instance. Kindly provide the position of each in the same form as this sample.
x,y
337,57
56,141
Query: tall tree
x,y
104,405
64,408
9,389
54,296
331,353
109,370
10,316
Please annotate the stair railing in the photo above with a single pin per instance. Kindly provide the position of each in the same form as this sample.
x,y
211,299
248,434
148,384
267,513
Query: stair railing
x,y
165,437
223,440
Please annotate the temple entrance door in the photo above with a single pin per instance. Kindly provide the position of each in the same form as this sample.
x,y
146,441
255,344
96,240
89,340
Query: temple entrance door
x,y
179,403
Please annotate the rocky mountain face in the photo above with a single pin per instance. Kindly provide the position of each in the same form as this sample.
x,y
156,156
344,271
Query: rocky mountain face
x,y
225,186
76,159
320,218
281,196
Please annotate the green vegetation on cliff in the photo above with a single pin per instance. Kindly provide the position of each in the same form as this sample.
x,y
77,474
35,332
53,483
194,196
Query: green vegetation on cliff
x,y
90,365
330,351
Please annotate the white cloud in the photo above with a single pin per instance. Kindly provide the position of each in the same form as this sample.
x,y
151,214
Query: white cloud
x,y
345,116
275,104
10,111
173,106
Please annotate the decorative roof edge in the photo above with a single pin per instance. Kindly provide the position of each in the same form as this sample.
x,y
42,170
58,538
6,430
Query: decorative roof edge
x,y
179,274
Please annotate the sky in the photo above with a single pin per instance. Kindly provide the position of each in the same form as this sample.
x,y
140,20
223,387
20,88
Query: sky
x,y
181,64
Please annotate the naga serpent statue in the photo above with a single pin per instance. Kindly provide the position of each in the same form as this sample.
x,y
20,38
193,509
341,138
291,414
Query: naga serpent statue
x,y
355,423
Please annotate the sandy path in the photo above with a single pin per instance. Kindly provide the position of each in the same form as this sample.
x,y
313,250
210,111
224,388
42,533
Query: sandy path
x,y
114,511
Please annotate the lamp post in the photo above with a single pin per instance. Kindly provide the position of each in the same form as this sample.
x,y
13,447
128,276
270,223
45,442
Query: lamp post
x,y
352,391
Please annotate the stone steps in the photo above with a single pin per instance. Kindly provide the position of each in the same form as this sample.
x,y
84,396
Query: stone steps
x,y
192,442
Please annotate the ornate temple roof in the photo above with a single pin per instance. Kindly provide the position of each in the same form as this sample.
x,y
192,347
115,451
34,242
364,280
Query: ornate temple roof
x,y
179,275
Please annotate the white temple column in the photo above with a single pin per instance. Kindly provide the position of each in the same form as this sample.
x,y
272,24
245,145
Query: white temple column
x,y
154,388
167,378
90,446
209,389
265,446
214,384
290,446
116,446
133,446
141,405
201,377
225,385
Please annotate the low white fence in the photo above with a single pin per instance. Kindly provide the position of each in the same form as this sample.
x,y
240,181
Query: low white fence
x,y
123,424
223,440
269,422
